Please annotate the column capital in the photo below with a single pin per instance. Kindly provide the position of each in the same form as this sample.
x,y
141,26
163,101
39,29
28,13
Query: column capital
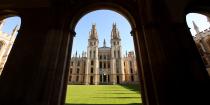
x,y
133,31
72,32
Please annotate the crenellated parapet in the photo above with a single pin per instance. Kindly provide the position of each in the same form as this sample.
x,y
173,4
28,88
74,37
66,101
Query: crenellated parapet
x,y
202,34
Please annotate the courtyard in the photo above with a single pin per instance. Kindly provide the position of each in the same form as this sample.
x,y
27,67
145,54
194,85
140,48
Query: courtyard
x,y
103,95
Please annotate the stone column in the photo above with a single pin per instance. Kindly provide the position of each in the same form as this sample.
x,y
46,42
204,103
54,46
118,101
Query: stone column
x,y
143,64
170,62
72,34
87,75
113,71
96,73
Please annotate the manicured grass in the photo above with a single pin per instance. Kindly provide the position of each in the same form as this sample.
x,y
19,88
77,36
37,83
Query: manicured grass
x,y
103,94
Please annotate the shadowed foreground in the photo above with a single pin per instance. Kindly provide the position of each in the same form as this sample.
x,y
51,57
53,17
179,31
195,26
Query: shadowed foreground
x,y
103,95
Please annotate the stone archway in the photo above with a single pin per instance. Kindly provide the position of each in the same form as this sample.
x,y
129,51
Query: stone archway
x,y
170,66
108,6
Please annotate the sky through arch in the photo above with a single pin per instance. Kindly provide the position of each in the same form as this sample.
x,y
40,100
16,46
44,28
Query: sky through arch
x,y
11,23
200,20
103,20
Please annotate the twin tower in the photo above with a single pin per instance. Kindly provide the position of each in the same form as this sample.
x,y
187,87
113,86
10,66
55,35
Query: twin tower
x,y
104,65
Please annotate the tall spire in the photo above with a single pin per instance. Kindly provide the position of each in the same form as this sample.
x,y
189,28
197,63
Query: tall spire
x,y
93,33
14,33
115,33
15,30
76,54
104,42
195,27
2,22
83,54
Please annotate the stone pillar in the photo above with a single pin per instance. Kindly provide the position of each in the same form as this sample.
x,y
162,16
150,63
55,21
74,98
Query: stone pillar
x,y
170,62
122,70
32,64
142,61
56,63
96,72
87,76
113,71
71,34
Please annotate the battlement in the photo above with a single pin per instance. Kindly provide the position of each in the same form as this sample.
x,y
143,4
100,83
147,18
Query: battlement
x,y
202,34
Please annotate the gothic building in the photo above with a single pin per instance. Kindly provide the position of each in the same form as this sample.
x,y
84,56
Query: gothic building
x,y
103,65
202,40
171,70
6,43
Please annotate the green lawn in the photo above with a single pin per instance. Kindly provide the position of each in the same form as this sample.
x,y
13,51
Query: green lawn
x,y
103,95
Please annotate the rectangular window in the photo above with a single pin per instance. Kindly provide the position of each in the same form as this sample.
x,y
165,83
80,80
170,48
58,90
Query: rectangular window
x,y
69,78
71,63
77,70
100,65
101,78
104,64
132,78
108,64
70,71
90,54
94,54
108,78
131,70
91,70
92,62
78,63
119,53
77,78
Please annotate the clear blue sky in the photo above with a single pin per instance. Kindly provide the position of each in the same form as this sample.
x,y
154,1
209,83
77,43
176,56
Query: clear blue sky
x,y
10,24
104,20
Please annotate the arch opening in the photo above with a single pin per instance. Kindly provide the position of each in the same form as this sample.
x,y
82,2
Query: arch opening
x,y
8,32
199,25
104,61
104,6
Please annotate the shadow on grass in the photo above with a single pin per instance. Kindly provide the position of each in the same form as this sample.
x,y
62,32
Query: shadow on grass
x,y
104,104
112,90
116,97
116,93
132,87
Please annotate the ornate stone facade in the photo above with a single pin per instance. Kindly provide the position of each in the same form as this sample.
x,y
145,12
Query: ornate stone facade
x,y
202,40
6,43
103,65
171,71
